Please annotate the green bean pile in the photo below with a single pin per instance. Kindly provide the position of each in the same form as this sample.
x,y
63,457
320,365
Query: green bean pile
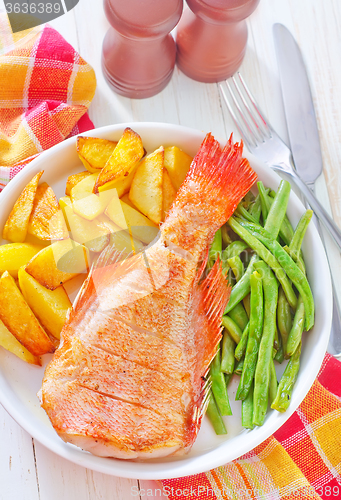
x,y
270,306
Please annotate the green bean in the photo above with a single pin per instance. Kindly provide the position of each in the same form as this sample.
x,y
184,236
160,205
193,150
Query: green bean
x,y
247,409
284,319
287,382
227,354
226,240
278,210
239,316
235,248
253,240
228,377
246,303
233,329
215,249
215,417
241,347
296,331
237,266
297,239
273,382
263,367
297,259
286,231
239,368
279,355
242,288
276,340
294,249
297,277
256,209
252,227
219,386
255,333
242,212
265,203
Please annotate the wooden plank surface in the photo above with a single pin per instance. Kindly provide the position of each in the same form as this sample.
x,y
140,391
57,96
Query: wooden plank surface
x,y
27,469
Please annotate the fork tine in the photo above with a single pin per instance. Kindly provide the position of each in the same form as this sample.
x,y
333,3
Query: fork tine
x,y
247,136
246,112
266,128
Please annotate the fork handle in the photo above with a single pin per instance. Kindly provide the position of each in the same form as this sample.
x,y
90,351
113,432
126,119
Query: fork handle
x,y
316,206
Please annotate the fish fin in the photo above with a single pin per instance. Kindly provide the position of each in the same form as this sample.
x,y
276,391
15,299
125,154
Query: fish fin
x,y
108,257
215,296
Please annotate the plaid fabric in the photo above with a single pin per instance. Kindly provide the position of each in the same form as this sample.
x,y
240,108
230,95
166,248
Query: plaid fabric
x,y
302,460
45,91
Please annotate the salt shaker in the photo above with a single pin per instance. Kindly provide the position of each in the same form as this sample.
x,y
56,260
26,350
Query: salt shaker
x,y
139,52
212,37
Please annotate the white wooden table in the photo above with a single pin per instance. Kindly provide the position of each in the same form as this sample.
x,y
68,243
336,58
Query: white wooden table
x,y
28,471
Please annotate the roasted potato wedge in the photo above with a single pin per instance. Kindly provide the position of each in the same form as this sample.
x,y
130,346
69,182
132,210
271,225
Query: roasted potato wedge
x,y
17,223
128,152
177,164
122,185
58,263
89,233
20,320
94,153
15,255
46,220
168,194
10,343
146,188
127,217
49,306
85,203
74,179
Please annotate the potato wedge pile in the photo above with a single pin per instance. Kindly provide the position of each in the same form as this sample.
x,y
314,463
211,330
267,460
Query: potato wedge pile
x,y
120,199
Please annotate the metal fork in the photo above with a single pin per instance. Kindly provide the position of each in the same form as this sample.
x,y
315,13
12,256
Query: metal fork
x,y
261,140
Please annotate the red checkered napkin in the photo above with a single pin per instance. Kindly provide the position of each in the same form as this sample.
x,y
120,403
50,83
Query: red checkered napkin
x,y
302,460
45,91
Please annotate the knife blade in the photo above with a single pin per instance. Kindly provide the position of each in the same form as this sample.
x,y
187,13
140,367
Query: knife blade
x,y
298,106
303,134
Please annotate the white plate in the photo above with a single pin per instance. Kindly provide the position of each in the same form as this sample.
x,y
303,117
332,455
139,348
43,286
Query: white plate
x,y
19,382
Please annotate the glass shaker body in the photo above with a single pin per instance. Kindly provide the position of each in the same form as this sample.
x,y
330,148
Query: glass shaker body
x,y
212,38
138,52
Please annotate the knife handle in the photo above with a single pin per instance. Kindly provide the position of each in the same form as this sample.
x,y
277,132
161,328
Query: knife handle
x,y
316,206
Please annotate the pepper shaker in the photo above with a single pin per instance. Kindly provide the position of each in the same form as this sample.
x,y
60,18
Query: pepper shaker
x,y
139,52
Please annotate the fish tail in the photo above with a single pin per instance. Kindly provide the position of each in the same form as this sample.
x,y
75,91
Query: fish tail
x,y
214,185
227,173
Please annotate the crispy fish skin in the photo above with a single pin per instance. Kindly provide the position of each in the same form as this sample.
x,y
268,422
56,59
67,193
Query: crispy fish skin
x,y
128,380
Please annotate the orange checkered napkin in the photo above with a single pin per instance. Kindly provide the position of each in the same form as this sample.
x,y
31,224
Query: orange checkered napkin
x,y
45,91
302,460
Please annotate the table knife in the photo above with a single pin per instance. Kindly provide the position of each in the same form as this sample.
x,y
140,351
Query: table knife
x,y
303,134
